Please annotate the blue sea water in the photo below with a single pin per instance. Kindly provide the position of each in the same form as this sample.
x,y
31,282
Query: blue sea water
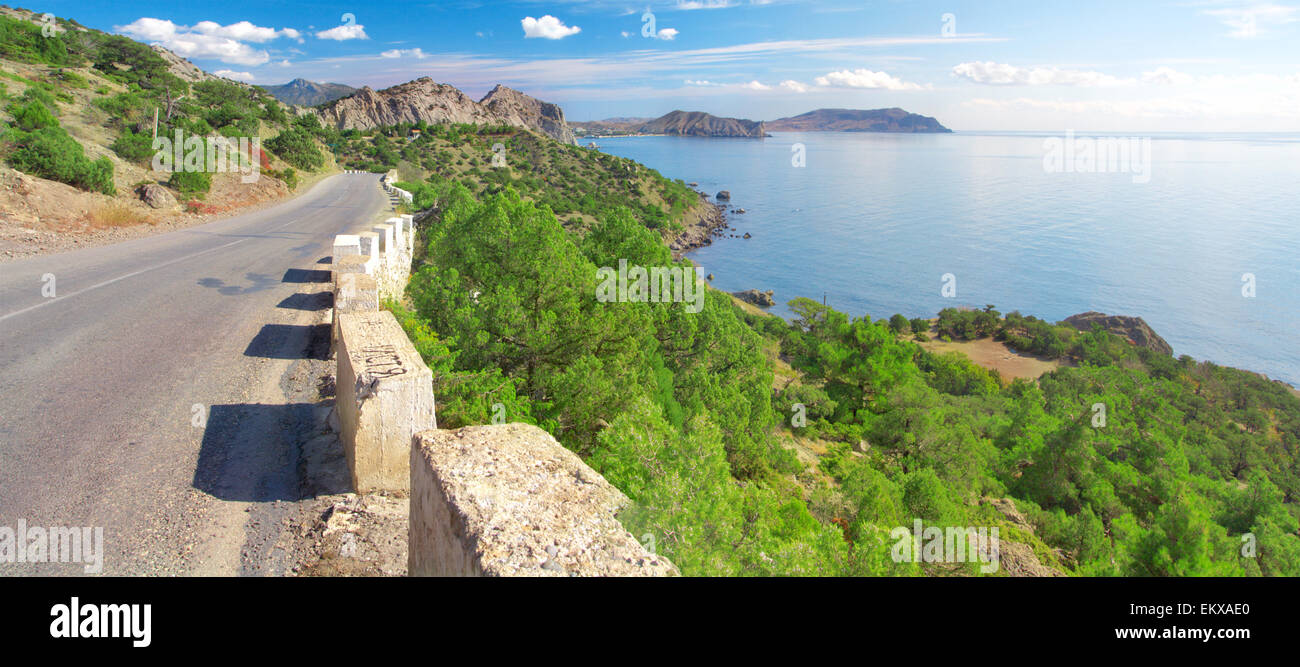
x,y
873,222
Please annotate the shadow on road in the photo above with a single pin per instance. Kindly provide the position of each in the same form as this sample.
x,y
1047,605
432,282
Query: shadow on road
x,y
306,276
257,283
313,301
291,341
264,453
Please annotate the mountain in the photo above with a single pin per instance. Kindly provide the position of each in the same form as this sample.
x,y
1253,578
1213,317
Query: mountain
x,y
857,120
521,110
426,100
677,124
309,93
700,124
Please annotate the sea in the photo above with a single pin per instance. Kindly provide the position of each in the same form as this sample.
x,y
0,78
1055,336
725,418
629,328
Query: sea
x,y
1198,234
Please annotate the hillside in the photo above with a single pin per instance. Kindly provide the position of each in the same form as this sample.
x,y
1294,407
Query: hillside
x,y
575,183
857,120
302,92
426,101
76,120
676,124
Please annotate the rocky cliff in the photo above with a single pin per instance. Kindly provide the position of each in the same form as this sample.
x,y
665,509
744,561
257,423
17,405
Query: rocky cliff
x,y
1132,328
520,110
424,99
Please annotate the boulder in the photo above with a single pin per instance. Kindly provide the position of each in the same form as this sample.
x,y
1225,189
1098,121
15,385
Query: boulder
x,y
724,195
156,196
761,299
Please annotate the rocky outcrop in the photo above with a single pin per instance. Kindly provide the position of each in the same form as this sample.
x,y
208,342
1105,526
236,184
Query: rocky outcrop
x,y
857,120
520,110
724,195
156,196
1135,329
410,102
432,102
760,299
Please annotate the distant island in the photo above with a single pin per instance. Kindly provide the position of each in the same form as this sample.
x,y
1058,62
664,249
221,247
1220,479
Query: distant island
x,y
857,120
674,124
308,93
701,124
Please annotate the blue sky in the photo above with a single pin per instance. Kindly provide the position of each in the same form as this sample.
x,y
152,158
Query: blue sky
x,y
1191,65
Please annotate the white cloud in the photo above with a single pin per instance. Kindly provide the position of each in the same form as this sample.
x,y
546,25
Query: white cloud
x,y
1000,74
1167,76
705,4
1246,22
701,82
238,76
795,86
242,31
344,32
416,53
865,78
547,27
206,40
667,34
754,85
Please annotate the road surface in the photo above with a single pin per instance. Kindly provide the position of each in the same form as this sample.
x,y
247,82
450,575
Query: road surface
x,y
154,394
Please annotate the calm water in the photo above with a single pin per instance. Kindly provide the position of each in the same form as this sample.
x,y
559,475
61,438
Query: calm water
x,y
874,221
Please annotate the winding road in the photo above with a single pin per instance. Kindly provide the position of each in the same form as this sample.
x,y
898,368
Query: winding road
x,y
159,391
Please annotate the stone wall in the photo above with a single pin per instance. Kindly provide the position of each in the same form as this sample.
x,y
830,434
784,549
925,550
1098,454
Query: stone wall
x,y
384,390
509,500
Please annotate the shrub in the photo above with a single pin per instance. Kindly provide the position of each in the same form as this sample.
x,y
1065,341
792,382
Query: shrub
x,y
50,153
33,116
134,147
296,147
191,183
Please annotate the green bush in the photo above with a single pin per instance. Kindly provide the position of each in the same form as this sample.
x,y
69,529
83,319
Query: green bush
x,y
191,183
134,147
296,147
33,116
50,153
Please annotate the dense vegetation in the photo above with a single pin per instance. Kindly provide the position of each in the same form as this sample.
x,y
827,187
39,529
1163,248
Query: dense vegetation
x,y
577,184
682,413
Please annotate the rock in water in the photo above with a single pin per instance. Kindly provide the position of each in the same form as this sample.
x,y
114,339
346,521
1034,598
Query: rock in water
x,y
725,195
761,299
1132,328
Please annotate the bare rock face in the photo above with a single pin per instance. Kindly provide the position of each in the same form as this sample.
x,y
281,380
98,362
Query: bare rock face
x,y
156,196
520,110
421,99
761,299
1133,328
426,100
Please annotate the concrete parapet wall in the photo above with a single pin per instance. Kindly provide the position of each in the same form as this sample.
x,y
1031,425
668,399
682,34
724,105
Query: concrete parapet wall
x,y
384,396
509,500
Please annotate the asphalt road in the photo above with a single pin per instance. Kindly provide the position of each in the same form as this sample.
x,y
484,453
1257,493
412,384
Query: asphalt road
x,y
153,394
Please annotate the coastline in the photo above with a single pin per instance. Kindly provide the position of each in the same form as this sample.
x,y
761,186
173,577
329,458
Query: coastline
x,y
703,222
